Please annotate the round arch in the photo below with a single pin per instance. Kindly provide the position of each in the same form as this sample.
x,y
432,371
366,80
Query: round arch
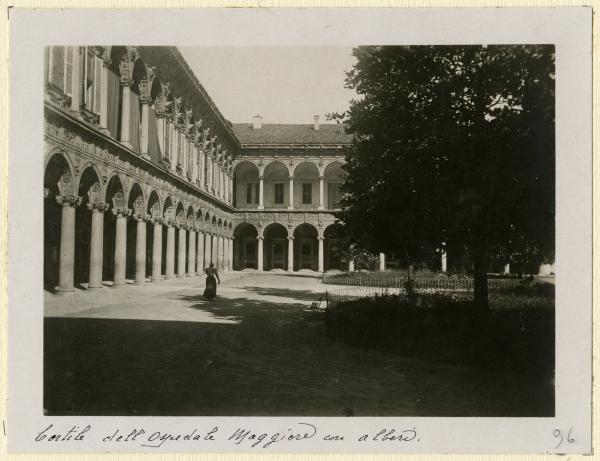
x,y
168,209
306,247
58,181
306,185
245,184
90,190
276,185
333,249
245,246
334,176
275,247
154,208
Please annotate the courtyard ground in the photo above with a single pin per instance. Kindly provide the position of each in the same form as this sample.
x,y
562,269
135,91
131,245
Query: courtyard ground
x,y
258,349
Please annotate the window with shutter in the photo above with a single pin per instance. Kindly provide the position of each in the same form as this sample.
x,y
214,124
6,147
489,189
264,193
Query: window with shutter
x,y
68,70
278,190
56,64
307,193
98,84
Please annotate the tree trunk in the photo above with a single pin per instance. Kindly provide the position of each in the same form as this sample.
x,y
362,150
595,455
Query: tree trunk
x,y
480,286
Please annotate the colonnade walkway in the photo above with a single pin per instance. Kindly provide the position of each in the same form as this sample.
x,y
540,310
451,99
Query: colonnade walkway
x,y
257,349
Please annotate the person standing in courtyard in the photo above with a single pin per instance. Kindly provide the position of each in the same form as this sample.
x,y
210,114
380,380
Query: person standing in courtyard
x,y
212,277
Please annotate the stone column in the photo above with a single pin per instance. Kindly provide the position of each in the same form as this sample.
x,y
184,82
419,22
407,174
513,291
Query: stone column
x,y
225,254
191,263
170,262
381,261
66,270
120,245
261,187
181,252
221,252
444,262
140,250
321,194
96,244
157,251
126,83
214,250
231,254
290,254
351,265
200,253
507,269
321,258
260,254
291,205
207,249
145,121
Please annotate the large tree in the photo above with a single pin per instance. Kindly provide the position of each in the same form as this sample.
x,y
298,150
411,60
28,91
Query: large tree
x,y
452,144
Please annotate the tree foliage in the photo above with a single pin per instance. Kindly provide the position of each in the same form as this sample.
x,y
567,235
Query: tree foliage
x,y
452,144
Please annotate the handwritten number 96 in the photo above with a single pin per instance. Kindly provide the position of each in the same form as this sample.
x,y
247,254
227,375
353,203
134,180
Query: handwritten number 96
x,y
557,433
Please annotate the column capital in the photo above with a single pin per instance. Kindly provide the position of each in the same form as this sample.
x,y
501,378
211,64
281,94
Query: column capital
x,y
124,212
259,237
145,100
321,177
291,177
261,177
142,217
68,200
290,238
320,238
158,221
98,207
126,81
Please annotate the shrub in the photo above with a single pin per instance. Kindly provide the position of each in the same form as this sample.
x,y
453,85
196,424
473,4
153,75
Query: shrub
x,y
439,328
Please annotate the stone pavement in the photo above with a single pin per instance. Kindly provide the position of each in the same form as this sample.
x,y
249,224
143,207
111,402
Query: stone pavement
x,y
256,350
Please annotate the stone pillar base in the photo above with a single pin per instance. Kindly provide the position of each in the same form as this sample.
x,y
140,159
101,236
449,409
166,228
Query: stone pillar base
x,y
156,279
168,277
59,290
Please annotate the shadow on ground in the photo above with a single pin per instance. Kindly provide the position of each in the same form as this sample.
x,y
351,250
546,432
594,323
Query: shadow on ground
x,y
274,361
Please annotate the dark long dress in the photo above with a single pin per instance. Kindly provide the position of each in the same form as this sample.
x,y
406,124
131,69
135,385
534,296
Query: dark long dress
x,y
211,283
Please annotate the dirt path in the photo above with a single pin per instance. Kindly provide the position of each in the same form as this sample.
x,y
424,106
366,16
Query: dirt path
x,y
256,350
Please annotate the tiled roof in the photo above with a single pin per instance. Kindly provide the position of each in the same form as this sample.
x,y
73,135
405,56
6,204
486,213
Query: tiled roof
x,y
278,133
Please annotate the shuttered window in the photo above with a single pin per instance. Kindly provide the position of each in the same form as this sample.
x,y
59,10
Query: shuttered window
x,y
92,81
60,64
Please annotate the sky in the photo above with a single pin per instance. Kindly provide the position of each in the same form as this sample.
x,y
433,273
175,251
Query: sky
x,y
282,84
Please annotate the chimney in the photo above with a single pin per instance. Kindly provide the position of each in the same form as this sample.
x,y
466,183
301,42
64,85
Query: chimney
x,y
256,122
316,123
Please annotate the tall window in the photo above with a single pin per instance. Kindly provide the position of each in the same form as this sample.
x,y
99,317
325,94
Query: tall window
x,y
334,195
278,193
251,193
92,81
60,68
307,193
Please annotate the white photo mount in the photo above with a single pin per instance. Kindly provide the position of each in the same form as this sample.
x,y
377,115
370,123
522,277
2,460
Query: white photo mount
x,y
568,28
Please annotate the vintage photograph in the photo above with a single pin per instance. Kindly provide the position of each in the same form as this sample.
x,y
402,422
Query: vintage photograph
x,y
299,231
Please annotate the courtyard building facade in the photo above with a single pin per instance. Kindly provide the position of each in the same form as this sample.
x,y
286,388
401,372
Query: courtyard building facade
x,y
145,179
